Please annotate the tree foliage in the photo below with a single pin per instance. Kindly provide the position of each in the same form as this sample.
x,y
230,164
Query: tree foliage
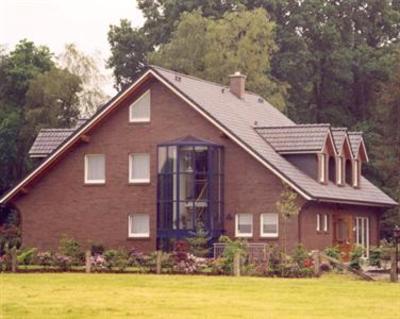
x,y
86,68
213,48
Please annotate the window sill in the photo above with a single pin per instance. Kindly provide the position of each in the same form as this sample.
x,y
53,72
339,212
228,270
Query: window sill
x,y
244,236
269,236
94,183
139,182
144,236
139,122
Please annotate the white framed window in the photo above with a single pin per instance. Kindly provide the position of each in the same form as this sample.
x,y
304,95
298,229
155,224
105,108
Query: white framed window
x,y
139,168
356,173
322,222
269,225
139,226
244,225
139,111
340,170
95,169
322,168
362,234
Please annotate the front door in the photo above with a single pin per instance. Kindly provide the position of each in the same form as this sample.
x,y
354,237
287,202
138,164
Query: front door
x,y
343,234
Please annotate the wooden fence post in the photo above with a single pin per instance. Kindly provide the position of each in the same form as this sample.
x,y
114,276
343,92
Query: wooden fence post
x,y
236,264
317,263
394,276
14,261
88,264
158,262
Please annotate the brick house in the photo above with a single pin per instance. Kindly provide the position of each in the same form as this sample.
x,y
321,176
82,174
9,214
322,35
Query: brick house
x,y
173,151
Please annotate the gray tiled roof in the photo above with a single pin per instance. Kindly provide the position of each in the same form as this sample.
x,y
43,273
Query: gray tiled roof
x,y
239,116
355,141
49,139
297,138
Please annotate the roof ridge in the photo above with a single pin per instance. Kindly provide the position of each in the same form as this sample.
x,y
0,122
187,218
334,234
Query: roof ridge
x,y
152,66
327,125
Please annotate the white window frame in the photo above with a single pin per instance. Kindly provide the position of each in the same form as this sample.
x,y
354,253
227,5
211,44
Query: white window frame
x,y
356,173
322,223
243,235
143,119
326,221
323,168
269,235
137,180
137,235
340,170
93,181
362,228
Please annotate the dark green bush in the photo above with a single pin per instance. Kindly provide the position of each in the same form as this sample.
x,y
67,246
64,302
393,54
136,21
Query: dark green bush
x,y
375,257
116,259
355,257
26,256
71,248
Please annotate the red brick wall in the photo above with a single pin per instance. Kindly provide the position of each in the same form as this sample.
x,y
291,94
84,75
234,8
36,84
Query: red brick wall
x,y
60,203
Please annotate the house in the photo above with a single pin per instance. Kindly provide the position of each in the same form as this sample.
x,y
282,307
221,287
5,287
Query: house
x,y
173,151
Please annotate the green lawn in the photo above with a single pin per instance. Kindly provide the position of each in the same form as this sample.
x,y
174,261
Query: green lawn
x,y
150,296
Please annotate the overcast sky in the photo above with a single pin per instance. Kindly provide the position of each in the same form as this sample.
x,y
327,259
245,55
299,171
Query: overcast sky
x,y
56,22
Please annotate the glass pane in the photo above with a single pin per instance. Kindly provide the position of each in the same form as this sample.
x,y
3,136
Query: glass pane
x,y
186,215
201,159
162,160
186,160
140,224
140,109
95,167
186,183
270,229
200,210
140,167
270,223
200,187
245,222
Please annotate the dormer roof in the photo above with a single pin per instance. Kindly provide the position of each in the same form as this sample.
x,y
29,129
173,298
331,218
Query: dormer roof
x,y
302,138
358,146
342,141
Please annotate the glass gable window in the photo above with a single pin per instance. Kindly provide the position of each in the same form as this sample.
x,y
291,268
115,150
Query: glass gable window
x,y
189,187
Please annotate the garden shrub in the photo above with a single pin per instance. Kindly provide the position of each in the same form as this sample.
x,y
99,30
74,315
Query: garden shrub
x,y
98,262
333,252
5,262
27,256
71,248
375,257
231,248
96,249
116,259
355,257
61,261
300,256
325,267
44,259
198,243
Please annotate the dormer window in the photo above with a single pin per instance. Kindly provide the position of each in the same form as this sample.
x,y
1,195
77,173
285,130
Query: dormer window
x,y
331,169
340,170
139,111
356,173
322,168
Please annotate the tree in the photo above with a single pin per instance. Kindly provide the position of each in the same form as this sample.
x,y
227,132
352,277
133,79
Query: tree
x,y
87,69
213,49
287,207
53,99
129,48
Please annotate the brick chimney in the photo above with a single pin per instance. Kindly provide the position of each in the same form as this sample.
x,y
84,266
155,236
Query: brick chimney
x,y
237,84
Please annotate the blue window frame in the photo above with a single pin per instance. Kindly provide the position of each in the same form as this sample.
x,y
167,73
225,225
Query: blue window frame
x,y
190,187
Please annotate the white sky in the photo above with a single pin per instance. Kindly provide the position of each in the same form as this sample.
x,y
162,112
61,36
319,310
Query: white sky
x,y
56,22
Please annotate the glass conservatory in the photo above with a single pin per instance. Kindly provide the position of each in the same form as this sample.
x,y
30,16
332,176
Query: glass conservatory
x,y
190,188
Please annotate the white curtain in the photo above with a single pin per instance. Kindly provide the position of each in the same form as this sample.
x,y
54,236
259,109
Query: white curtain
x,y
140,109
95,167
139,224
270,223
140,170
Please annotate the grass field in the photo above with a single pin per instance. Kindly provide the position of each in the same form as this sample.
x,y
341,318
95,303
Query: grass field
x,y
149,296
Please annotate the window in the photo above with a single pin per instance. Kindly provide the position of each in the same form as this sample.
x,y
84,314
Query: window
x,y
322,223
362,234
244,225
356,174
340,171
269,225
322,168
139,111
139,168
95,172
139,225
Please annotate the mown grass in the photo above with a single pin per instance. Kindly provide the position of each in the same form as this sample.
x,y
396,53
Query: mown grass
x,y
149,296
